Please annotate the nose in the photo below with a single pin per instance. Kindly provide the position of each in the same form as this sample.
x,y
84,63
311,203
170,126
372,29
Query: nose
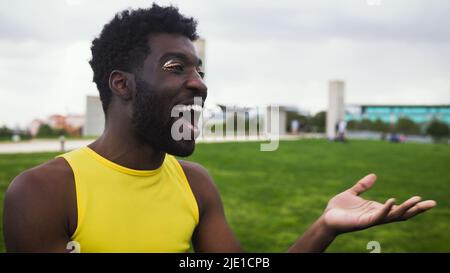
x,y
197,85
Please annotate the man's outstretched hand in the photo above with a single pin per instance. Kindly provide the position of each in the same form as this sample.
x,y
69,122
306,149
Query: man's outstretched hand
x,y
347,211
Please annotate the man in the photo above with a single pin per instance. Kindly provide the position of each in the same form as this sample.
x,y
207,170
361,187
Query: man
x,y
342,125
126,192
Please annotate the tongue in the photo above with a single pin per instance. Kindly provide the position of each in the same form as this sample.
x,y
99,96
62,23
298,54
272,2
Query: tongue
x,y
187,123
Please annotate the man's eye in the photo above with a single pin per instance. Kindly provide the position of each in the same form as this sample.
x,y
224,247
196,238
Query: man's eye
x,y
172,66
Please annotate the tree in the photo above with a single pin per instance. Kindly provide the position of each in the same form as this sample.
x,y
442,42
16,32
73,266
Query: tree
x,y
305,121
380,126
318,121
407,126
352,125
365,124
438,130
5,133
46,131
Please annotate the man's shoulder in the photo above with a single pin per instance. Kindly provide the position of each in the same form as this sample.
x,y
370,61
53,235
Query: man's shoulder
x,y
197,175
201,183
194,169
46,179
40,202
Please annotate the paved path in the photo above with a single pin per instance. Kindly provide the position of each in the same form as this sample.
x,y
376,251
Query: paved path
x,y
33,146
53,145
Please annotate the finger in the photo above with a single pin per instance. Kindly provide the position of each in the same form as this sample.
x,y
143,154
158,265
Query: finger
x,y
398,211
384,211
419,208
364,184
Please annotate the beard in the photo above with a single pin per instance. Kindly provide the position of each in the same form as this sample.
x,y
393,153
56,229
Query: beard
x,y
152,122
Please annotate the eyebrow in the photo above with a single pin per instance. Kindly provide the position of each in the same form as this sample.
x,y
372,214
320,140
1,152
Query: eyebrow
x,y
182,57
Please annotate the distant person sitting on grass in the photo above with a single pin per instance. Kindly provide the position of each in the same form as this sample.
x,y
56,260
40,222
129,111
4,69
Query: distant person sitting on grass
x,y
126,192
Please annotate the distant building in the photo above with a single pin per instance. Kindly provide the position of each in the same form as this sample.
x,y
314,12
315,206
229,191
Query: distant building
x,y
200,45
95,118
56,121
421,114
74,124
336,107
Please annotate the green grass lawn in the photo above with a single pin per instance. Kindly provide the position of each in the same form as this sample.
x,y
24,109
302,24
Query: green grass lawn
x,y
271,198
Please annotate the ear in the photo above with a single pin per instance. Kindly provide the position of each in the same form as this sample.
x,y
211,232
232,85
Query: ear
x,y
120,83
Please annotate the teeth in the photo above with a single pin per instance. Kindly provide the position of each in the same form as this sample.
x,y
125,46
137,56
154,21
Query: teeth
x,y
197,108
186,108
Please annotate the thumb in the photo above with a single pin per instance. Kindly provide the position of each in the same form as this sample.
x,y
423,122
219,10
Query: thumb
x,y
364,184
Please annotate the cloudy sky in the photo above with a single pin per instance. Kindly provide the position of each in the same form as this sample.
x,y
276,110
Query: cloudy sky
x,y
258,52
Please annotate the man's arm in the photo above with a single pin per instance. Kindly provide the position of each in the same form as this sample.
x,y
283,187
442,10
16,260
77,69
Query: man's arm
x,y
316,239
36,211
212,233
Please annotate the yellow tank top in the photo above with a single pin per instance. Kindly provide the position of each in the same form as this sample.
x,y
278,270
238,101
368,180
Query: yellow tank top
x,y
126,210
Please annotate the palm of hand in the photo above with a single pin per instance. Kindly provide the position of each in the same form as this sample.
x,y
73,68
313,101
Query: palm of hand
x,y
347,211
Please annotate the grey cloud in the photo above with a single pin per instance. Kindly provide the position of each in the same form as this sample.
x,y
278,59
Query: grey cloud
x,y
411,21
414,21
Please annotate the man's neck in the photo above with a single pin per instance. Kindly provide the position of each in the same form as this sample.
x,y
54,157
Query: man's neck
x,y
122,147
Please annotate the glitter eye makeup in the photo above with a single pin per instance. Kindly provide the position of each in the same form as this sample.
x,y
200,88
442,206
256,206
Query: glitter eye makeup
x,y
171,65
176,66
